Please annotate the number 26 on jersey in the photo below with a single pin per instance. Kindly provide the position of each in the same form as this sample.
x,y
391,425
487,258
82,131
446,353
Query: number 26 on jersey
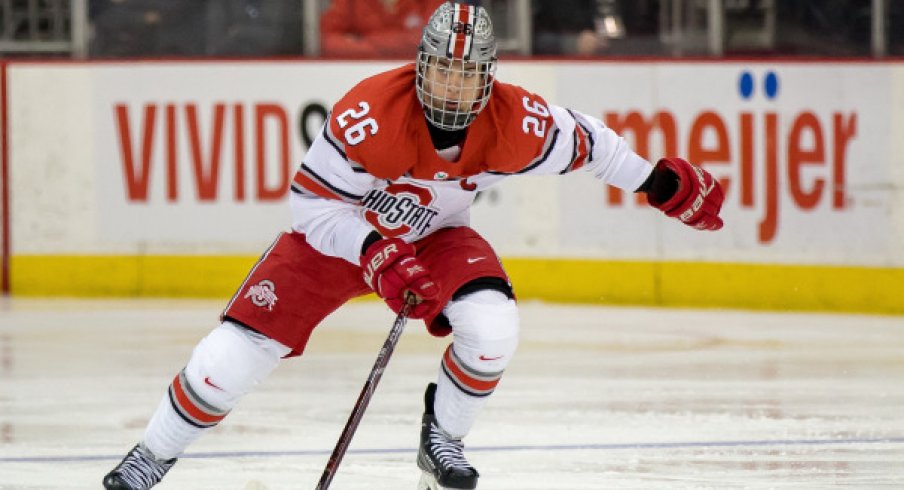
x,y
360,129
535,121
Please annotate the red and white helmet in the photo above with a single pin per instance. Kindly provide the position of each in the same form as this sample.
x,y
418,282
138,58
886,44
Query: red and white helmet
x,y
462,35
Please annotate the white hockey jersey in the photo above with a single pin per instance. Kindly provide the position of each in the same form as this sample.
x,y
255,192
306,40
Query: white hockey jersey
x,y
374,166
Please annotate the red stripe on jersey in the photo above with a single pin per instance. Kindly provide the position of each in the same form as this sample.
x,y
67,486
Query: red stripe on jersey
x,y
315,187
581,158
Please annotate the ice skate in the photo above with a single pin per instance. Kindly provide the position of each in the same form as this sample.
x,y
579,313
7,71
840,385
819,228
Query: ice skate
x,y
440,457
139,470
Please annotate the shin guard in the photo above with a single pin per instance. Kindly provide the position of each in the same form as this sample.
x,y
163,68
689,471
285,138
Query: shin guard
x,y
485,336
224,366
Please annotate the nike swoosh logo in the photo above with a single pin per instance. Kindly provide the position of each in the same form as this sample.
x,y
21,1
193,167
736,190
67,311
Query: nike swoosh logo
x,y
207,382
485,358
476,259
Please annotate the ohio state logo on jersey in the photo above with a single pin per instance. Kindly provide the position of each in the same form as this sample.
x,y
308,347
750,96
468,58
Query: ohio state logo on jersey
x,y
263,294
397,209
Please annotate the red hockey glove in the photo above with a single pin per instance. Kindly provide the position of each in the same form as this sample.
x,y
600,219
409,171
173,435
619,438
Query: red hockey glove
x,y
697,199
392,271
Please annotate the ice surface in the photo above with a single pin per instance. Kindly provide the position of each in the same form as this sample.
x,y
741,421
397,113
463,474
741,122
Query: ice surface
x,y
596,398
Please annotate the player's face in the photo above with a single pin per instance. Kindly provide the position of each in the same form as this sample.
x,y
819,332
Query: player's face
x,y
453,85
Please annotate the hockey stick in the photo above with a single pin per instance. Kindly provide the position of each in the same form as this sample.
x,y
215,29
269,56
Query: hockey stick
x,y
364,398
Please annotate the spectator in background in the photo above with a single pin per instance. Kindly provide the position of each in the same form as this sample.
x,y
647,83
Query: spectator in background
x,y
253,27
566,27
373,28
142,28
146,28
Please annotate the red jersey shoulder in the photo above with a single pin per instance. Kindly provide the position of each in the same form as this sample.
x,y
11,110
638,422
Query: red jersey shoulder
x,y
369,122
524,128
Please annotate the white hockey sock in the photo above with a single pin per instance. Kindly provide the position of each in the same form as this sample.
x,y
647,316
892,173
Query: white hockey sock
x,y
485,333
455,410
224,366
167,434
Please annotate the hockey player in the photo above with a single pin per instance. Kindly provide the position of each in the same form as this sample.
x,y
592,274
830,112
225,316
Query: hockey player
x,y
380,204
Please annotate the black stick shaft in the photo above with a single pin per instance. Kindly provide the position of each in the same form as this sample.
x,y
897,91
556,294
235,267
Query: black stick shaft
x,y
367,393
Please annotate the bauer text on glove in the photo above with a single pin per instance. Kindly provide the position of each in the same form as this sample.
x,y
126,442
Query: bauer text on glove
x,y
686,192
393,271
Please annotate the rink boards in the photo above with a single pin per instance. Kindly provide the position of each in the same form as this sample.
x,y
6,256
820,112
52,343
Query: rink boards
x,y
169,178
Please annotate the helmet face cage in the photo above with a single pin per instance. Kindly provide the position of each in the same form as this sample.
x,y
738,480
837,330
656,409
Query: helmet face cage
x,y
453,91
456,64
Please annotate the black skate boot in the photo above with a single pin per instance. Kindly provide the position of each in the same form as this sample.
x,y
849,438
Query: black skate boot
x,y
139,470
440,457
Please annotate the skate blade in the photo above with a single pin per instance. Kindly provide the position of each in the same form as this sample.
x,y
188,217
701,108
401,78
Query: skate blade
x,y
428,482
